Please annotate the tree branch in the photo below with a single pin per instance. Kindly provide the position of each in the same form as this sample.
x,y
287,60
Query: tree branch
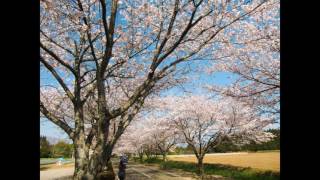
x,y
52,54
56,121
58,78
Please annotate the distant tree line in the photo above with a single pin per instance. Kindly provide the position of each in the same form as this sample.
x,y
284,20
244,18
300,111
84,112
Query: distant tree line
x,y
60,149
274,144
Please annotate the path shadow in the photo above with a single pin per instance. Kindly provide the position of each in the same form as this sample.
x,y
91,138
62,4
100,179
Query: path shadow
x,y
44,168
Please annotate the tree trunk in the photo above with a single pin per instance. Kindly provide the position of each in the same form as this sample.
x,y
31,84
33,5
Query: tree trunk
x,y
148,155
93,169
141,157
108,174
164,157
200,166
81,162
100,159
81,151
110,169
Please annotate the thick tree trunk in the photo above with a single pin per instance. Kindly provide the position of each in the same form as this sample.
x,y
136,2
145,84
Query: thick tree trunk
x,y
106,174
99,166
110,169
81,162
102,155
81,151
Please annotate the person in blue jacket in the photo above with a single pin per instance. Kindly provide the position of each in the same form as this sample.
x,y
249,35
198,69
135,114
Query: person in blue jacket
x,y
122,167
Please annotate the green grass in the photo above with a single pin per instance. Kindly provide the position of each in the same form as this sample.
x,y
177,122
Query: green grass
x,y
233,172
266,151
44,161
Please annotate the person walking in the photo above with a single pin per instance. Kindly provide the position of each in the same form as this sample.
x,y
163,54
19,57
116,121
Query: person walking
x,y
122,167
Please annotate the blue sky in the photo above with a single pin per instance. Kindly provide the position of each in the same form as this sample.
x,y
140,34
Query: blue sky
x,y
47,128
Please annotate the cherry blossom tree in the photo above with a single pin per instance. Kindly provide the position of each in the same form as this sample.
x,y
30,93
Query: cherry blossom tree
x,y
108,57
165,140
149,136
253,58
163,134
134,140
205,123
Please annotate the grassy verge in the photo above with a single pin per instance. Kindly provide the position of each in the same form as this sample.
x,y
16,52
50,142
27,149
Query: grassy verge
x,y
55,166
44,161
266,151
233,172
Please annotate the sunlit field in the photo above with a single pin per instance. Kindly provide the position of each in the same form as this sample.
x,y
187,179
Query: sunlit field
x,y
258,160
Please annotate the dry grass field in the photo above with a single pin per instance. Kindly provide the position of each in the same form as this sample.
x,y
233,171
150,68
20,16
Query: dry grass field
x,y
258,160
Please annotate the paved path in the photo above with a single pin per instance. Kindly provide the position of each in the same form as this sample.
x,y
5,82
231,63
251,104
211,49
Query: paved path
x,y
137,171
134,172
52,174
